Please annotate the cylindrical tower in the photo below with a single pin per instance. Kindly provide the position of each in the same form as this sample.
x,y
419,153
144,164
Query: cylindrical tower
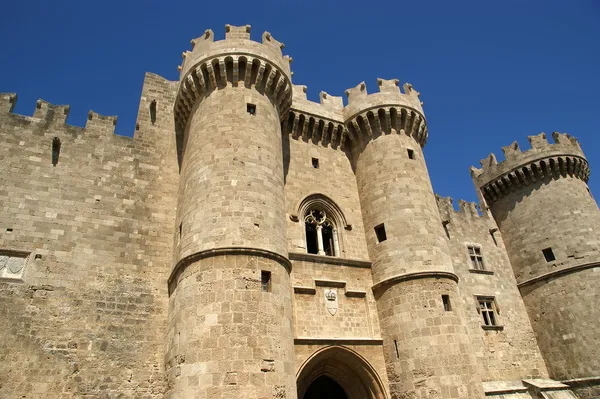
x,y
230,310
551,227
426,348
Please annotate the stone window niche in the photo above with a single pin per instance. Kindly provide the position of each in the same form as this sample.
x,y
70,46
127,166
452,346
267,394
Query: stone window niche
x,y
487,308
476,257
446,303
548,254
265,281
411,154
315,163
251,109
321,234
380,232
322,221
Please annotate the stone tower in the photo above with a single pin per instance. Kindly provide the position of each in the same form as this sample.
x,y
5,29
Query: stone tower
x,y
426,349
230,310
551,227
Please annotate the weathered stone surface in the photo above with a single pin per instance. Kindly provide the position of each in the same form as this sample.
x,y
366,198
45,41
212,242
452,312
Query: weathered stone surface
x,y
175,264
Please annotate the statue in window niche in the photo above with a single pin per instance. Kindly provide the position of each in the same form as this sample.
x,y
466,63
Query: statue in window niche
x,y
321,234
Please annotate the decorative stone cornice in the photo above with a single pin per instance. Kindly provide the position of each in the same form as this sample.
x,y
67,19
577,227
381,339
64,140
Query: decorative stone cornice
x,y
543,161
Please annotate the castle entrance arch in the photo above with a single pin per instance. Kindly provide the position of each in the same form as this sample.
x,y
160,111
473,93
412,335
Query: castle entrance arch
x,y
336,372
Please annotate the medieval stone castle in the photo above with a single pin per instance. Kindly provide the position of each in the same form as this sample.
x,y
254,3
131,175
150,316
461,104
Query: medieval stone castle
x,y
249,243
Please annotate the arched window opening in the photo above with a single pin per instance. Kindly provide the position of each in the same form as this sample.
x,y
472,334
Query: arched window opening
x,y
321,234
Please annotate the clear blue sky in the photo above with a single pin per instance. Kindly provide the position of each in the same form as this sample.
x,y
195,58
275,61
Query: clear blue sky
x,y
488,72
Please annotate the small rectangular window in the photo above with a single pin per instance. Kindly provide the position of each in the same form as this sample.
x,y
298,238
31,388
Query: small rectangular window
x,y
251,109
411,154
487,309
315,163
265,281
446,302
548,254
476,257
380,233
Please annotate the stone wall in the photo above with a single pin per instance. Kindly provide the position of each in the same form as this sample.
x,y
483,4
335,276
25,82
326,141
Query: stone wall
x,y
88,316
506,354
334,178
557,213
227,336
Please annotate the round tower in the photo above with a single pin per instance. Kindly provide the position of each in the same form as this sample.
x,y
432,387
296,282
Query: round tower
x,y
551,227
230,309
426,348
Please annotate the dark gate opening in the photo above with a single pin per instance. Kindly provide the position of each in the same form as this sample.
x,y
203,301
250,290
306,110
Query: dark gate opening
x,y
325,388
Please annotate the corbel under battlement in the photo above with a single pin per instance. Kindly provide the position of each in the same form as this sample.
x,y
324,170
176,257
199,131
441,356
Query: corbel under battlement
x,y
543,160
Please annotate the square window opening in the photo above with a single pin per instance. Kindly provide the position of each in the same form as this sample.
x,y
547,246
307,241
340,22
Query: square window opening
x,y
446,302
251,109
265,281
476,257
380,233
548,254
315,163
488,311
411,154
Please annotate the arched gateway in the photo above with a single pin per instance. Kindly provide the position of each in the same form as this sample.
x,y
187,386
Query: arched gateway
x,y
335,372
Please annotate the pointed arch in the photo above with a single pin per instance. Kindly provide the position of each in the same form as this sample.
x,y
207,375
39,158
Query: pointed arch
x,y
348,369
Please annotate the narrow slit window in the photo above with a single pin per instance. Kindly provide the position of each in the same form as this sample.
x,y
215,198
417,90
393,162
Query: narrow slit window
x,y
411,154
55,150
315,163
548,254
446,302
179,236
265,281
251,109
380,233
476,257
396,347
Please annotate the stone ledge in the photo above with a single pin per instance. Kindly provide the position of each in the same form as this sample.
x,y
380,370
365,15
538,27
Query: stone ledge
x,y
329,259
478,271
305,290
415,275
492,328
337,341
503,387
558,273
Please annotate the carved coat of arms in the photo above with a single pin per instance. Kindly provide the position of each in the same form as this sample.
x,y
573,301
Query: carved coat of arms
x,y
331,301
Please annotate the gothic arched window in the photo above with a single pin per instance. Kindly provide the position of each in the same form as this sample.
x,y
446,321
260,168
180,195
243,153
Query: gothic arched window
x,y
321,233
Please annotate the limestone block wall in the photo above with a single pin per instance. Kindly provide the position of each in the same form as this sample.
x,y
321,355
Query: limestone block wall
x,y
333,179
510,353
354,315
540,201
233,169
227,337
88,317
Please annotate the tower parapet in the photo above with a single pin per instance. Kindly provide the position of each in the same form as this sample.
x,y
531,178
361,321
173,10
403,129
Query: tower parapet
x,y
238,60
544,159
549,222
411,261
387,110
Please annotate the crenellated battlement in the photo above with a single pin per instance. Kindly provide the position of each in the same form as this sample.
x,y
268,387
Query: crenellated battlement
x,y
466,210
320,122
389,110
56,115
544,160
236,60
